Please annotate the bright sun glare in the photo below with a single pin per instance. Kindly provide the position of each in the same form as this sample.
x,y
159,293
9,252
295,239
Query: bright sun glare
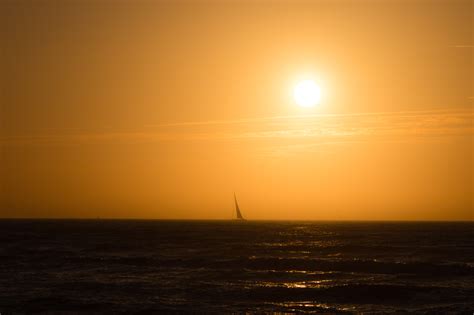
x,y
307,93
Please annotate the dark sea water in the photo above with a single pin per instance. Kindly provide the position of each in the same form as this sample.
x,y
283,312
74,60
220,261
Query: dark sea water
x,y
133,266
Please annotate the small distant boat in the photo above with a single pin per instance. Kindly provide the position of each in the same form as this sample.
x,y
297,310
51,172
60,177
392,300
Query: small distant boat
x,y
237,211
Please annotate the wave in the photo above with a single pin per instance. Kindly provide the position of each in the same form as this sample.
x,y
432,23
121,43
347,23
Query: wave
x,y
353,294
305,264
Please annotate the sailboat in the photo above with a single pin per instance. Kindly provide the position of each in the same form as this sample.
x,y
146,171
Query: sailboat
x,y
237,210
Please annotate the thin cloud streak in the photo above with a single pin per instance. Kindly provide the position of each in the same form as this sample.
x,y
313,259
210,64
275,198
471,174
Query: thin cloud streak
x,y
274,118
340,128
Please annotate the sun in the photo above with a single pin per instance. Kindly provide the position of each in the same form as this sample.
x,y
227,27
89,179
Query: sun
x,y
307,93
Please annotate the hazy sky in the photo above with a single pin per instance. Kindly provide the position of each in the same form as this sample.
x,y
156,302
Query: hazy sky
x,y
162,109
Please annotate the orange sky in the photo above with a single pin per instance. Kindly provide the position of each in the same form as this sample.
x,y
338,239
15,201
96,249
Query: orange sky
x,y
162,109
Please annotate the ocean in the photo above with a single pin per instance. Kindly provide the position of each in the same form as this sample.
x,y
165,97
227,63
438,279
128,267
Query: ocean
x,y
160,266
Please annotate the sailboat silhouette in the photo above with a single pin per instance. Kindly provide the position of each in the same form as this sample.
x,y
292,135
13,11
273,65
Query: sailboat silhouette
x,y
237,210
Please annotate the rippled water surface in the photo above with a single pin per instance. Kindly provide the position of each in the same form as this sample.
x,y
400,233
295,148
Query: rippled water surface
x,y
123,266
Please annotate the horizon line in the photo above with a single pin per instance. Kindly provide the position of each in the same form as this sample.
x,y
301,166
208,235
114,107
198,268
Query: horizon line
x,y
251,220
